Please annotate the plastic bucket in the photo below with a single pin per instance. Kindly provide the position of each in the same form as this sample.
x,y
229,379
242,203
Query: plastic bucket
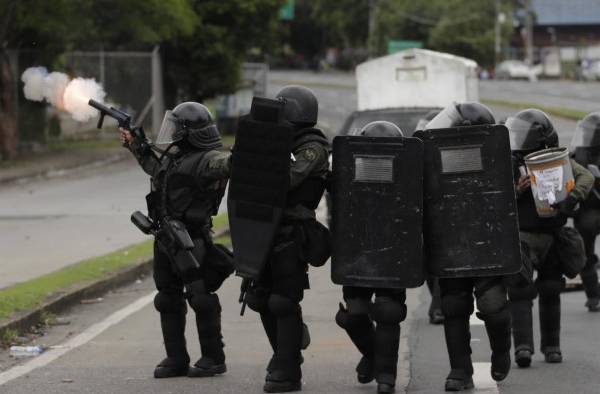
x,y
551,178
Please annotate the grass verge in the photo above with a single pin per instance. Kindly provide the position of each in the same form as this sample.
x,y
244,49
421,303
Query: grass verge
x,y
33,293
555,111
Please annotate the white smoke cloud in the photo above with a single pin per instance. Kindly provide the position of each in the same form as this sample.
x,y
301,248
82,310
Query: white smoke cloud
x,y
33,78
62,92
55,84
77,94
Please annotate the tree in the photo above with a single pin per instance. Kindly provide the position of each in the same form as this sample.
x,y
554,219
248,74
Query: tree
x,y
208,61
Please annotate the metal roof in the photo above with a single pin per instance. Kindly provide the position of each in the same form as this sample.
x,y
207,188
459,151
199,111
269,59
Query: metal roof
x,y
567,12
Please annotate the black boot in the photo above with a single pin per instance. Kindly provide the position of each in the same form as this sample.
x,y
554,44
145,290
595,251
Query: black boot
x,y
497,326
286,374
589,279
458,342
387,342
550,328
361,330
522,329
212,362
177,361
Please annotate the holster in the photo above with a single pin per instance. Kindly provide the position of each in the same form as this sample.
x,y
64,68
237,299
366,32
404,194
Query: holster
x,y
569,249
317,243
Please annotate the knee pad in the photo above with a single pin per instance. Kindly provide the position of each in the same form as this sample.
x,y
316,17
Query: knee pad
x,y
492,301
282,306
347,319
549,288
523,293
204,303
169,303
257,301
388,311
457,305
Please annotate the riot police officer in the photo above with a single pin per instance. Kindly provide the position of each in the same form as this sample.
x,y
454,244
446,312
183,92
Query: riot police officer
x,y
586,149
531,130
188,180
457,292
277,293
374,327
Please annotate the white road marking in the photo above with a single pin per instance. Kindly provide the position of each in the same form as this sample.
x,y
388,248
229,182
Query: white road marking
x,y
473,319
483,380
81,339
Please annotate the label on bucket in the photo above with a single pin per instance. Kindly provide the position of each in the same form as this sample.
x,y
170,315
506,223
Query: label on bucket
x,y
548,182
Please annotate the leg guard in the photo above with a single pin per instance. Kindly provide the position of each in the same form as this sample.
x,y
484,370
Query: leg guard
x,y
521,304
497,326
361,330
172,321
457,306
208,323
257,299
287,359
589,278
549,304
388,313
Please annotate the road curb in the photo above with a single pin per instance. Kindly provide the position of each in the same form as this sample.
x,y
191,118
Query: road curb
x,y
64,300
54,173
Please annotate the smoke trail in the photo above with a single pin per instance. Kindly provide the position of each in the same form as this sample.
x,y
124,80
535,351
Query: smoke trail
x,y
77,95
55,84
59,90
33,78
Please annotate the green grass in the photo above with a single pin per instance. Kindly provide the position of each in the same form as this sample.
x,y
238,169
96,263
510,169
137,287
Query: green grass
x,y
228,140
31,294
555,111
85,144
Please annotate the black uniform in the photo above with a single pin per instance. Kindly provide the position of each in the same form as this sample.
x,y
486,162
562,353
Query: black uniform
x,y
586,146
531,130
188,186
277,292
457,292
374,326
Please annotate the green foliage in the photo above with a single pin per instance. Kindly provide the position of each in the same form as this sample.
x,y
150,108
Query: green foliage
x,y
208,61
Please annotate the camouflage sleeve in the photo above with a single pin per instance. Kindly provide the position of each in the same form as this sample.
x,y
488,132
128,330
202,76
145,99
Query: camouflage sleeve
x,y
307,158
145,158
584,181
215,165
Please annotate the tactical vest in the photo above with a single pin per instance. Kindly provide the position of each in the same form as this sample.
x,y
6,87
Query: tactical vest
x,y
181,193
310,191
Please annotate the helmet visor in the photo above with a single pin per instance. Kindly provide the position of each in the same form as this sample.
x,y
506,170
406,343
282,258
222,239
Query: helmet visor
x,y
167,129
522,136
585,135
449,117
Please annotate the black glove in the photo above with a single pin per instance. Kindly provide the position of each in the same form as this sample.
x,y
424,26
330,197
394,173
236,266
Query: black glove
x,y
567,206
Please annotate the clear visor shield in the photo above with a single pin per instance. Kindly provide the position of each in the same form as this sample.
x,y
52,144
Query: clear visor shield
x,y
520,134
449,117
584,136
167,129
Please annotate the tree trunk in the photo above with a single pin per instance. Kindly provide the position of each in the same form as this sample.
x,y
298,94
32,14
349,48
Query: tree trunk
x,y
8,112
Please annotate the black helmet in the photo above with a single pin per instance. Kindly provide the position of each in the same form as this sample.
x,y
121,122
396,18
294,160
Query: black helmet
x,y
190,122
587,132
531,130
381,128
301,105
463,114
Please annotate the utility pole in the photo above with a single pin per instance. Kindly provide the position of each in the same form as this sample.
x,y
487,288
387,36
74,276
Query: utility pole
x,y
497,30
371,33
528,33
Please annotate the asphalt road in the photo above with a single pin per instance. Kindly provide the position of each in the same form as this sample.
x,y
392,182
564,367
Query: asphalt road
x,y
113,346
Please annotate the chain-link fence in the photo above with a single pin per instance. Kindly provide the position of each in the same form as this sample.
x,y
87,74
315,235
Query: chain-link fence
x,y
132,81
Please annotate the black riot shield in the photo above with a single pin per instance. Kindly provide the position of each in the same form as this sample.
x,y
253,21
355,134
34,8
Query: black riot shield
x,y
259,184
470,216
377,202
